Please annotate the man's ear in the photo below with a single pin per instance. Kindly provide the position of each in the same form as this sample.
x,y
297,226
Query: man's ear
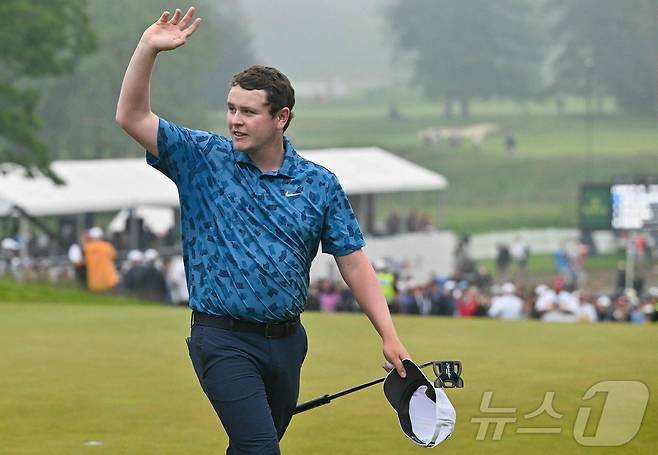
x,y
282,117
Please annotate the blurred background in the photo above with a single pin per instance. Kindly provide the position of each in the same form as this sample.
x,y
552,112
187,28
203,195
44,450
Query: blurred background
x,y
513,140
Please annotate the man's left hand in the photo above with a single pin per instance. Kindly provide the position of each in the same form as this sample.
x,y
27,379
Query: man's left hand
x,y
395,353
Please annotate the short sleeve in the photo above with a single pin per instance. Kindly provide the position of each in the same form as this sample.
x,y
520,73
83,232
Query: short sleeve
x,y
180,149
341,234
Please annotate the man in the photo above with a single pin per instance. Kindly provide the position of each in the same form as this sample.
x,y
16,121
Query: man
x,y
557,304
520,252
99,257
177,281
508,305
77,259
253,213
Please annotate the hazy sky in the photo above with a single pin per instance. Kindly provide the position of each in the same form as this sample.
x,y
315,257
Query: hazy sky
x,y
320,40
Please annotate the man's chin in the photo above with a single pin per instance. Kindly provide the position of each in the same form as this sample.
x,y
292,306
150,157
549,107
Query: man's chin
x,y
241,146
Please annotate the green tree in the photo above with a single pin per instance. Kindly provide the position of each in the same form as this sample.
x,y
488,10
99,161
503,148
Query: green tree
x,y
38,38
617,40
186,86
471,48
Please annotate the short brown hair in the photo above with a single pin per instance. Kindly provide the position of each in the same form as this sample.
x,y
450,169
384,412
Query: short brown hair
x,y
276,85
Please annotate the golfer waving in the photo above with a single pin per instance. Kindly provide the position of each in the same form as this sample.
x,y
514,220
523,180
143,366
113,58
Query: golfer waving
x,y
253,215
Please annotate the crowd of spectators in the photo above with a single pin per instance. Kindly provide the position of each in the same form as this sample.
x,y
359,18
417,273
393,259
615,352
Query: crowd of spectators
x,y
414,221
471,291
477,292
96,265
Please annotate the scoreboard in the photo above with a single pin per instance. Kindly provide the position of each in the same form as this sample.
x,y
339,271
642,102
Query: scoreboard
x,y
628,203
634,205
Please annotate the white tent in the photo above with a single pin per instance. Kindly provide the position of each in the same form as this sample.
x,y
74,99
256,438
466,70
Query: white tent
x,y
371,170
5,207
115,184
158,219
90,186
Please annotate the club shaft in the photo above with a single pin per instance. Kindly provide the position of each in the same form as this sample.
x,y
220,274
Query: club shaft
x,y
325,399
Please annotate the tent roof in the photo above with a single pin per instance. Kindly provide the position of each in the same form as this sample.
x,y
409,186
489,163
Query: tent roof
x,y
113,184
369,170
91,186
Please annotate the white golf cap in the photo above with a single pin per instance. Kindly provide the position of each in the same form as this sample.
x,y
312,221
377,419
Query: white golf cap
x,y
96,233
426,415
449,285
151,254
135,256
508,288
540,289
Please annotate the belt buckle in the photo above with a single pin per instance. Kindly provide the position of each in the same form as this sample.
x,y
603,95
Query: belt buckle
x,y
268,333
279,329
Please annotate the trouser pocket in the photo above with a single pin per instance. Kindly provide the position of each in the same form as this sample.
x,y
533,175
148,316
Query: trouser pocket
x,y
194,350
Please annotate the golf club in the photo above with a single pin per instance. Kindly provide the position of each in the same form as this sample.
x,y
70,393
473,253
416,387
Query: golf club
x,y
448,375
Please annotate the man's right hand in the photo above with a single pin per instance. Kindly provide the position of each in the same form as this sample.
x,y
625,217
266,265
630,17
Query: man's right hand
x,y
167,34
134,113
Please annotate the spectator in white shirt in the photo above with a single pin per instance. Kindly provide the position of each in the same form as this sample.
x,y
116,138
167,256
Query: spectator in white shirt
x,y
177,282
557,305
507,305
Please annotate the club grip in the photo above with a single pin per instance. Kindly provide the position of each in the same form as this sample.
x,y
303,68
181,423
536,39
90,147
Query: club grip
x,y
324,399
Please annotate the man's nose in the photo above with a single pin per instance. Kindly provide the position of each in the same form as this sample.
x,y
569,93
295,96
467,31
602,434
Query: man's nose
x,y
235,118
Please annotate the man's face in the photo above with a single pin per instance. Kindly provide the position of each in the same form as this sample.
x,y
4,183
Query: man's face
x,y
249,121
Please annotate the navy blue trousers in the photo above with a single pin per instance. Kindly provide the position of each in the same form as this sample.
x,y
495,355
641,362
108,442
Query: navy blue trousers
x,y
251,381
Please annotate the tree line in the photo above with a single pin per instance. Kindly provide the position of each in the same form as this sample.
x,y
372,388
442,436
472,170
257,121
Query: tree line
x,y
531,49
65,60
62,62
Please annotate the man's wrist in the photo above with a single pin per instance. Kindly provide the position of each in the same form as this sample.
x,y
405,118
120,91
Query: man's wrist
x,y
390,338
146,48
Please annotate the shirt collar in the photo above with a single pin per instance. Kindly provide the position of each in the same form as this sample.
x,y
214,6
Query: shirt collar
x,y
288,166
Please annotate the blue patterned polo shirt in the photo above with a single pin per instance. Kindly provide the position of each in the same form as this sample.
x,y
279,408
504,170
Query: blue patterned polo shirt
x,y
249,237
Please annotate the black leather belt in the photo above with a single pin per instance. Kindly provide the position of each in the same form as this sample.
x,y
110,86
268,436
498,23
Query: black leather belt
x,y
268,330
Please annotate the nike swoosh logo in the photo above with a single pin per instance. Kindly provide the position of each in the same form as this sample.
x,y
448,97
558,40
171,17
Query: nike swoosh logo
x,y
288,194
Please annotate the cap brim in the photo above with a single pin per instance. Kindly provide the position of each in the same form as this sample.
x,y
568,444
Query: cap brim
x,y
398,389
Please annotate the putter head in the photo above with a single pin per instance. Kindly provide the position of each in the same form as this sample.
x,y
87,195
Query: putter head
x,y
448,374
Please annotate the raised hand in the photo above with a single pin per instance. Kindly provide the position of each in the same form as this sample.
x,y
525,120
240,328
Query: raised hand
x,y
167,34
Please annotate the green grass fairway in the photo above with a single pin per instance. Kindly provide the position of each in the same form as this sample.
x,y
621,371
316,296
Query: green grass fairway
x,y
119,373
